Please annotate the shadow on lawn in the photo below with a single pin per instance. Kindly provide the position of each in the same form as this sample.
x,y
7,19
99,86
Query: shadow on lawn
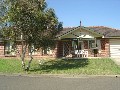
x,y
60,65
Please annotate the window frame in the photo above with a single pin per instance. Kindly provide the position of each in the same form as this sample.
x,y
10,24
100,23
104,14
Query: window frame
x,y
92,44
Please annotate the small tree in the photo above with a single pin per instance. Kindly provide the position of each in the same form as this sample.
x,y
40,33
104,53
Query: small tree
x,y
33,22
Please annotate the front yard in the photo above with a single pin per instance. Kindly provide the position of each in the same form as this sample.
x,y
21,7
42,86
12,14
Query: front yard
x,y
102,66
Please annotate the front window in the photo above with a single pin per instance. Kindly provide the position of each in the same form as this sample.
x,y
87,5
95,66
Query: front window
x,y
33,50
47,51
92,44
9,48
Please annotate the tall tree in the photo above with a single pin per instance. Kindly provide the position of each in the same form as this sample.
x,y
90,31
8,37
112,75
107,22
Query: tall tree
x,y
3,10
36,24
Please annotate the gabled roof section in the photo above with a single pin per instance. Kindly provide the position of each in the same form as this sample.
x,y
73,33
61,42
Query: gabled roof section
x,y
66,31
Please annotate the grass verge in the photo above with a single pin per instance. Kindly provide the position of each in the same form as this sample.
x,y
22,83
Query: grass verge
x,y
102,66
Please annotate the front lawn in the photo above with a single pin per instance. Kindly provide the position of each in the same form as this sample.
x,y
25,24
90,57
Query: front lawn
x,y
103,66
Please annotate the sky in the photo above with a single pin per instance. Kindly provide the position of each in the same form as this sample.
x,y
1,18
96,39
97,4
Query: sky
x,y
89,12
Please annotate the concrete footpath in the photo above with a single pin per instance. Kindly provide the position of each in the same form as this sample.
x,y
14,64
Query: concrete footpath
x,y
116,60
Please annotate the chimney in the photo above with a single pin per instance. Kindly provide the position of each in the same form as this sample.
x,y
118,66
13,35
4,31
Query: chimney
x,y
80,24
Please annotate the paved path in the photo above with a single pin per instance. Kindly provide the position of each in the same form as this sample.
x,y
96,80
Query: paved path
x,y
59,83
116,60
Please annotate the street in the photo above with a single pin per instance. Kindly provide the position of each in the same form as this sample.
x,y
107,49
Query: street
x,y
59,83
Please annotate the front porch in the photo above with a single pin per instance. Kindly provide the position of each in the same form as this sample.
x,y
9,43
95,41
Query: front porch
x,y
80,48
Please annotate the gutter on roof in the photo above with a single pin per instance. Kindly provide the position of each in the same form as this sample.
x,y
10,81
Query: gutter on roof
x,y
111,37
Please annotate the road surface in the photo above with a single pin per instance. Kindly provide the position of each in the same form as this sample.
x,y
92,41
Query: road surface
x,y
59,83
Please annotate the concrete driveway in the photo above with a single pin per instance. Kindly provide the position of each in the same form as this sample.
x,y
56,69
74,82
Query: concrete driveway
x,y
59,83
116,60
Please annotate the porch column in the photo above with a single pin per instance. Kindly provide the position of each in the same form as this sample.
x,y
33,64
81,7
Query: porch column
x,y
63,49
78,44
95,43
96,49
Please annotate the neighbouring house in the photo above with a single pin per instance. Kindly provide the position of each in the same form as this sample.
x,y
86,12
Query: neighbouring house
x,y
96,41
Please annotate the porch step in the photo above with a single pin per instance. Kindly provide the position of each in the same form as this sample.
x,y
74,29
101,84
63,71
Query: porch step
x,y
80,58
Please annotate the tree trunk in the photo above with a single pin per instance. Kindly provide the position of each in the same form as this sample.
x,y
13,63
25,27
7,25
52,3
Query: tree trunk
x,y
23,63
23,56
31,58
23,52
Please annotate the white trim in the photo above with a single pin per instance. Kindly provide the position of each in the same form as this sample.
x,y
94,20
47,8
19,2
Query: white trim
x,y
112,37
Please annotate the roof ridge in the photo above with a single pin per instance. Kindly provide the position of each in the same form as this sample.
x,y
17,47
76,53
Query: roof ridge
x,y
68,27
103,27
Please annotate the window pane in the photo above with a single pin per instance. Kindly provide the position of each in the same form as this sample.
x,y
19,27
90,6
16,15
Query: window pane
x,y
9,48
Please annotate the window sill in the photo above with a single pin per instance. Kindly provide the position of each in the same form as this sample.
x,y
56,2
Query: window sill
x,y
10,55
94,48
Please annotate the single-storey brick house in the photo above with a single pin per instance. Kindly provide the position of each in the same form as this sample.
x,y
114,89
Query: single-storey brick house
x,y
97,41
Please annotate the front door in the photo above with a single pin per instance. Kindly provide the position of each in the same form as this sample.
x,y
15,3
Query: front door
x,y
80,49
66,48
80,45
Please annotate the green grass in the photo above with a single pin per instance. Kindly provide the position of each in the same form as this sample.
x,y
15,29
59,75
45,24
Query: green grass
x,y
10,66
103,66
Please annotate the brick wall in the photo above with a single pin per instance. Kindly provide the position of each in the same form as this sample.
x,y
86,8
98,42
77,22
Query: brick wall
x,y
37,54
59,52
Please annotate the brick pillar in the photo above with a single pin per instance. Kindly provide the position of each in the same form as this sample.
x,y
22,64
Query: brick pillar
x,y
1,49
105,48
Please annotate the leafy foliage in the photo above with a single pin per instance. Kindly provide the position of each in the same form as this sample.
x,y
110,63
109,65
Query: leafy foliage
x,y
31,22
32,19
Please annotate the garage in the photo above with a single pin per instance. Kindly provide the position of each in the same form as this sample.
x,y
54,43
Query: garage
x,y
115,48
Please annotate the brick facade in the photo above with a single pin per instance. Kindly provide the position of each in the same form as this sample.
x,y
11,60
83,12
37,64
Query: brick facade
x,y
58,50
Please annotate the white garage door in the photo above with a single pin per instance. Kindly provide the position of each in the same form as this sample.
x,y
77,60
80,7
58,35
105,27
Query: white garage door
x,y
115,48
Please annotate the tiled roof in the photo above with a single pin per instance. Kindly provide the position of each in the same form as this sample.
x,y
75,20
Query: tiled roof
x,y
106,31
65,30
